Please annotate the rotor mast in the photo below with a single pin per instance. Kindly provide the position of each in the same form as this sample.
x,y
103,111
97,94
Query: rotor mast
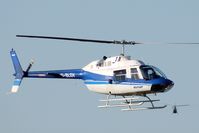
x,y
123,49
123,43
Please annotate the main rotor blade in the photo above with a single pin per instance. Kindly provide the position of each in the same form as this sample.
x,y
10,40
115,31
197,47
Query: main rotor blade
x,y
184,43
123,42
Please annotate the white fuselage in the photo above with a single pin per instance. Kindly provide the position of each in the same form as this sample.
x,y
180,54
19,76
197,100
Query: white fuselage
x,y
116,64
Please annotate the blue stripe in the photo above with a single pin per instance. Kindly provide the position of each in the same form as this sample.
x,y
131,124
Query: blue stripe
x,y
96,82
121,83
93,76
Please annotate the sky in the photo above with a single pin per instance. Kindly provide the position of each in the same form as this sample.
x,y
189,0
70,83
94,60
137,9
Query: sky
x,y
52,105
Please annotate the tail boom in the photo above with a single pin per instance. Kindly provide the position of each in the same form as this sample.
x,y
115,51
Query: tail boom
x,y
20,73
63,74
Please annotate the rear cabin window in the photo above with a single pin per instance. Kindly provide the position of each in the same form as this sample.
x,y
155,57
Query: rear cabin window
x,y
134,74
120,75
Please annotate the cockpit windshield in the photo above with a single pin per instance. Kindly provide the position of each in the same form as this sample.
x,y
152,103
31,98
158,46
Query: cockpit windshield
x,y
151,72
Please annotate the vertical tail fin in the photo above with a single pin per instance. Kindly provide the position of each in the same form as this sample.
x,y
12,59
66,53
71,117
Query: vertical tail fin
x,y
19,73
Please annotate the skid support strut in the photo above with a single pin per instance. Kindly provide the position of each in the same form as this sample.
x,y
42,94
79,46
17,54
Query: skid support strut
x,y
128,102
150,101
107,98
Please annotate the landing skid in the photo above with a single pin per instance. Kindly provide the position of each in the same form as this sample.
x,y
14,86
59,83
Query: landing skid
x,y
131,103
144,108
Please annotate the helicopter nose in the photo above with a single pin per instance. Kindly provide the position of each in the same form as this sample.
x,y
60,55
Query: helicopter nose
x,y
169,85
165,85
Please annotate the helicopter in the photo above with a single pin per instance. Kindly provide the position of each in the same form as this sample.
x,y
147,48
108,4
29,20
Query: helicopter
x,y
120,76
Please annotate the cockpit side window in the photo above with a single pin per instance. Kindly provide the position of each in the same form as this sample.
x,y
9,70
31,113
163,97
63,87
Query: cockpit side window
x,y
149,73
134,74
159,72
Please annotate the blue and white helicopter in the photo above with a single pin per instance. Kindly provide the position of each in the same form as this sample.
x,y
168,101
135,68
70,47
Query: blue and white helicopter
x,y
132,80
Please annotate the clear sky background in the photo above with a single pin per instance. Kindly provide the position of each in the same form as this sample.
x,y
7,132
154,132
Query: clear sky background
x,y
50,105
